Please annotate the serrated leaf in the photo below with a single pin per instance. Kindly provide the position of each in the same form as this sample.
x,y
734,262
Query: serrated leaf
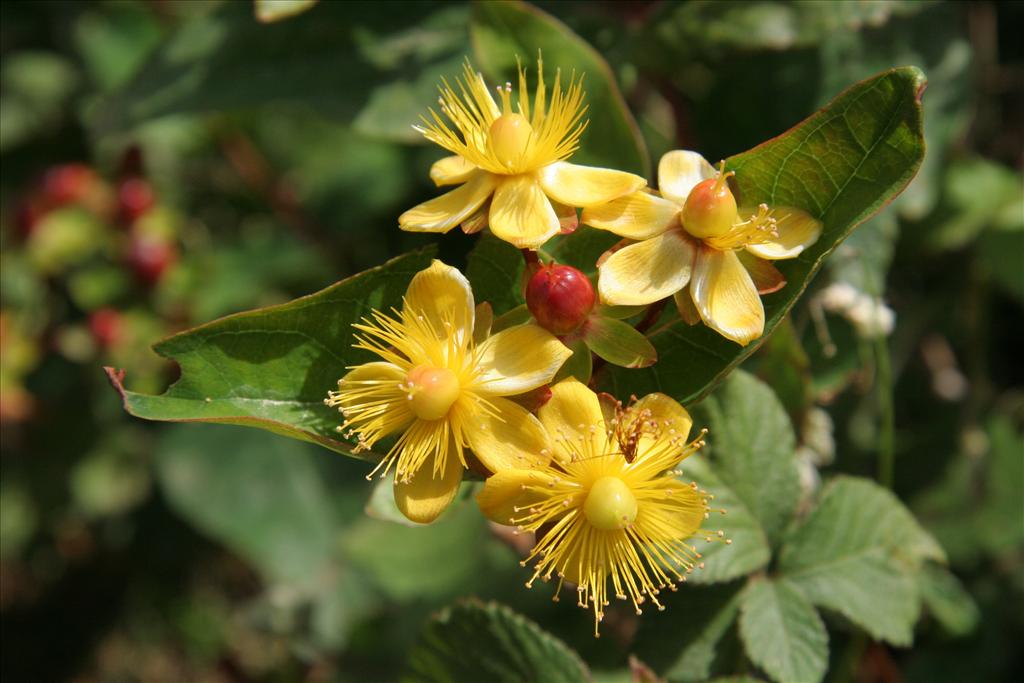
x,y
619,343
504,31
472,642
748,549
842,165
947,600
754,450
681,642
271,368
857,553
782,632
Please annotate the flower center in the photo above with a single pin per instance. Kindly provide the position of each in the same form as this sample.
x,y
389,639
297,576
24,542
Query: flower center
x,y
431,391
710,209
610,505
510,134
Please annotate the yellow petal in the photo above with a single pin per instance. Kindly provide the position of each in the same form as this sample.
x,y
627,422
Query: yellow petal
x,y
427,494
670,419
647,271
443,213
638,215
679,171
443,295
679,517
507,490
505,437
726,297
452,170
517,360
521,214
584,186
797,231
574,421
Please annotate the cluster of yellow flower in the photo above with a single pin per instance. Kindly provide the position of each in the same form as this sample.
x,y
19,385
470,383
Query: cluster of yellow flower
x,y
594,481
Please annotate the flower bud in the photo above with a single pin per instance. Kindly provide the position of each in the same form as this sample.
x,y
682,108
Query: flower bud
x,y
560,298
710,209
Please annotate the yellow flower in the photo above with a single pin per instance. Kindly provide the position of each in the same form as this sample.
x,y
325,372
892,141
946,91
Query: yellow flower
x,y
608,506
443,392
516,157
693,242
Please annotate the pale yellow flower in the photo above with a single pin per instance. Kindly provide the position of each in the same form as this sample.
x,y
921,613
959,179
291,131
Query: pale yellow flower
x,y
609,506
441,392
717,273
514,156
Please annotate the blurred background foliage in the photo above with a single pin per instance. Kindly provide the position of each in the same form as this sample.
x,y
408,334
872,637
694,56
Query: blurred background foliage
x,y
165,163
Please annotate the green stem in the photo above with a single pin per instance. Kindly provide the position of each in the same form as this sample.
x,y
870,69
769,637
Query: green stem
x,y
886,438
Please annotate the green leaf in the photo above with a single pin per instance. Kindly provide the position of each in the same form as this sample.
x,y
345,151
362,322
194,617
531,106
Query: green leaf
x,y
947,600
579,365
472,642
358,60
268,500
857,553
782,632
263,498
842,164
619,343
269,11
754,451
504,31
271,368
682,642
748,549
494,268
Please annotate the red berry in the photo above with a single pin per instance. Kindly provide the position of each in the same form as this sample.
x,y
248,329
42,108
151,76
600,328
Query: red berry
x,y
106,326
68,183
134,198
560,298
150,257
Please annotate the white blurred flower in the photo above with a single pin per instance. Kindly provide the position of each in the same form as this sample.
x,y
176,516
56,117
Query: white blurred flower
x,y
868,314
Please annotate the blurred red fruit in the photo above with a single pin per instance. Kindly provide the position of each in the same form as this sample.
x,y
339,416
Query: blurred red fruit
x,y
106,326
150,257
134,198
68,183
560,298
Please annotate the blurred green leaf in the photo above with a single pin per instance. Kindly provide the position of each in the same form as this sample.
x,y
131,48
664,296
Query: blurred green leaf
x,y
325,58
842,164
948,600
36,86
682,642
782,632
261,497
707,27
271,368
115,39
857,553
754,450
506,30
269,11
976,191
473,642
